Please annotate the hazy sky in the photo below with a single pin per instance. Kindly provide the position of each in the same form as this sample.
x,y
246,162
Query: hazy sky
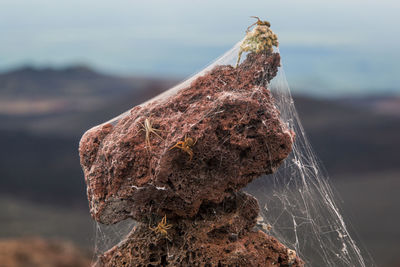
x,y
349,45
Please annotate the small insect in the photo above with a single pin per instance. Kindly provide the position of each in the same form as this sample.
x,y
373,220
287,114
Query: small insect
x,y
265,226
260,39
291,256
162,228
148,128
186,146
258,22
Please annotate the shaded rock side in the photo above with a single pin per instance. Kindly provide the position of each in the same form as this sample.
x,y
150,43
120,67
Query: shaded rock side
x,y
220,235
230,115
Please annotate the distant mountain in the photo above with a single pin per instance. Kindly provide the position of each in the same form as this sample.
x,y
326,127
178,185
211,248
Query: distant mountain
x,y
57,100
33,91
382,104
350,138
75,80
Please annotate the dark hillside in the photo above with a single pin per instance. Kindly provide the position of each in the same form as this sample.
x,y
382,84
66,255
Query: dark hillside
x,y
350,139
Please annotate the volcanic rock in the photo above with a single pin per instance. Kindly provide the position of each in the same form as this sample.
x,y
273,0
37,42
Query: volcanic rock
x,y
232,127
219,235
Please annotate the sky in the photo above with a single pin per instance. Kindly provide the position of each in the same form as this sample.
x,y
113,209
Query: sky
x,y
327,47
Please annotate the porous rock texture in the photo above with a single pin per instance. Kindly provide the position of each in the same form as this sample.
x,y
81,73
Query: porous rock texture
x,y
219,235
229,112
187,202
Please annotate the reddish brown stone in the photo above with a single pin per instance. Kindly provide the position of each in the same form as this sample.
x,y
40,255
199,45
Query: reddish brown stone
x,y
239,137
219,235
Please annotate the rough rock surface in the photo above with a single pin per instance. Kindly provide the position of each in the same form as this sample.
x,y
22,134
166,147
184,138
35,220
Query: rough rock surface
x,y
230,114
219,235
186,199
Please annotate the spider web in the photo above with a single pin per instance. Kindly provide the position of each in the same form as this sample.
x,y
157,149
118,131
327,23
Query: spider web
x,y
297,203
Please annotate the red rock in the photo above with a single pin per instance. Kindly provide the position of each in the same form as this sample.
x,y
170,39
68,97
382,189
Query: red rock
x,y
219,235
180,180
239,136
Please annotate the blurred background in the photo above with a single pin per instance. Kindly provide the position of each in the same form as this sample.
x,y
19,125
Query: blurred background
x,y
67,66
